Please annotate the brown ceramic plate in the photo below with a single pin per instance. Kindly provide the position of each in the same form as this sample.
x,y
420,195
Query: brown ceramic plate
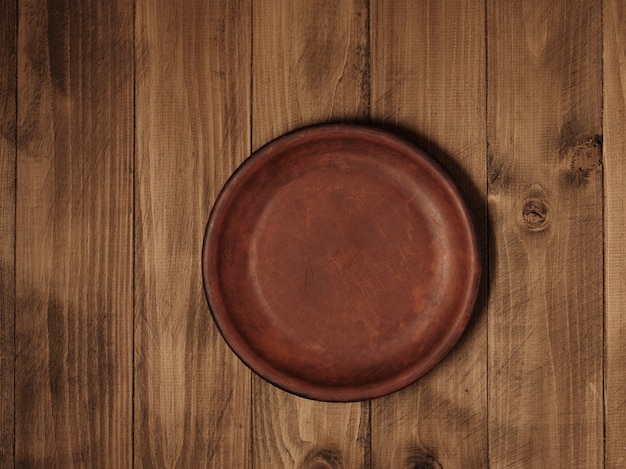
x,y
340,263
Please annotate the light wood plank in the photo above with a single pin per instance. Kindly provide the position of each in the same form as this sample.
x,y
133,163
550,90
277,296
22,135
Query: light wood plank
x,y
74,234
545,200
192,405
428,84
615,230
310,65
8,90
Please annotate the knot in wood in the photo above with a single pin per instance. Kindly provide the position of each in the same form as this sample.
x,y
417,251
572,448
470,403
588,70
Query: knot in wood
x,y
424,461
535,214
322,459
583,158
320,464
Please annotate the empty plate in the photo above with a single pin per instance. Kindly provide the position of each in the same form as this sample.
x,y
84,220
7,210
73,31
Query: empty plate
x,y
340,262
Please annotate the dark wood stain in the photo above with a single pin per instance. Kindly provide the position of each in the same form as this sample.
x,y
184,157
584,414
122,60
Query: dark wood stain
x,y
8,162
58,33
73,238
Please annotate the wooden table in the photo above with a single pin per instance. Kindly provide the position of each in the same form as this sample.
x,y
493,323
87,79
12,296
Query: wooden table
x,y
120,122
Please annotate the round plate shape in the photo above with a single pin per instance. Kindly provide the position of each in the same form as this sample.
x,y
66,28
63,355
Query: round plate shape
x,y
340,262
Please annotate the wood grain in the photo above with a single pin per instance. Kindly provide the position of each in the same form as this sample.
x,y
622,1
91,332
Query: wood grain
x,y
428,84
545,200
615,230
8,115
192,395
310,65
101,225
74,235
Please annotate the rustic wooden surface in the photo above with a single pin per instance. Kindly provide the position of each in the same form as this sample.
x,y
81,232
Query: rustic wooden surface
x,y
615,230
423,93
545,199
8,116
119,123
192,81
74,250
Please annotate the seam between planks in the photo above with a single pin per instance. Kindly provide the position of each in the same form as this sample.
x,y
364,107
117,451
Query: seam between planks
x,y
133,234
487,226
603,192
250,146
15,154
368,457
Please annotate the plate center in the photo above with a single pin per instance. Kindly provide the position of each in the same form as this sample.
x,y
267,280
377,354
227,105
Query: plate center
x,y
343,258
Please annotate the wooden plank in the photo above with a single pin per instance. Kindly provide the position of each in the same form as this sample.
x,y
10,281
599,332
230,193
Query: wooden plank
x,y
545,200
615,230
8,90
428,84
192,406
74,234
310,65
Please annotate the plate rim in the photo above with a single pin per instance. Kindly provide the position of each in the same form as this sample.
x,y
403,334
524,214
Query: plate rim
x,y
370,390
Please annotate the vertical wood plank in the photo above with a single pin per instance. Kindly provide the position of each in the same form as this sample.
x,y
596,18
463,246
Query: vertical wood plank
x,y
192,405
74,234
310,64
8,90
545,197
428,84
615,230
